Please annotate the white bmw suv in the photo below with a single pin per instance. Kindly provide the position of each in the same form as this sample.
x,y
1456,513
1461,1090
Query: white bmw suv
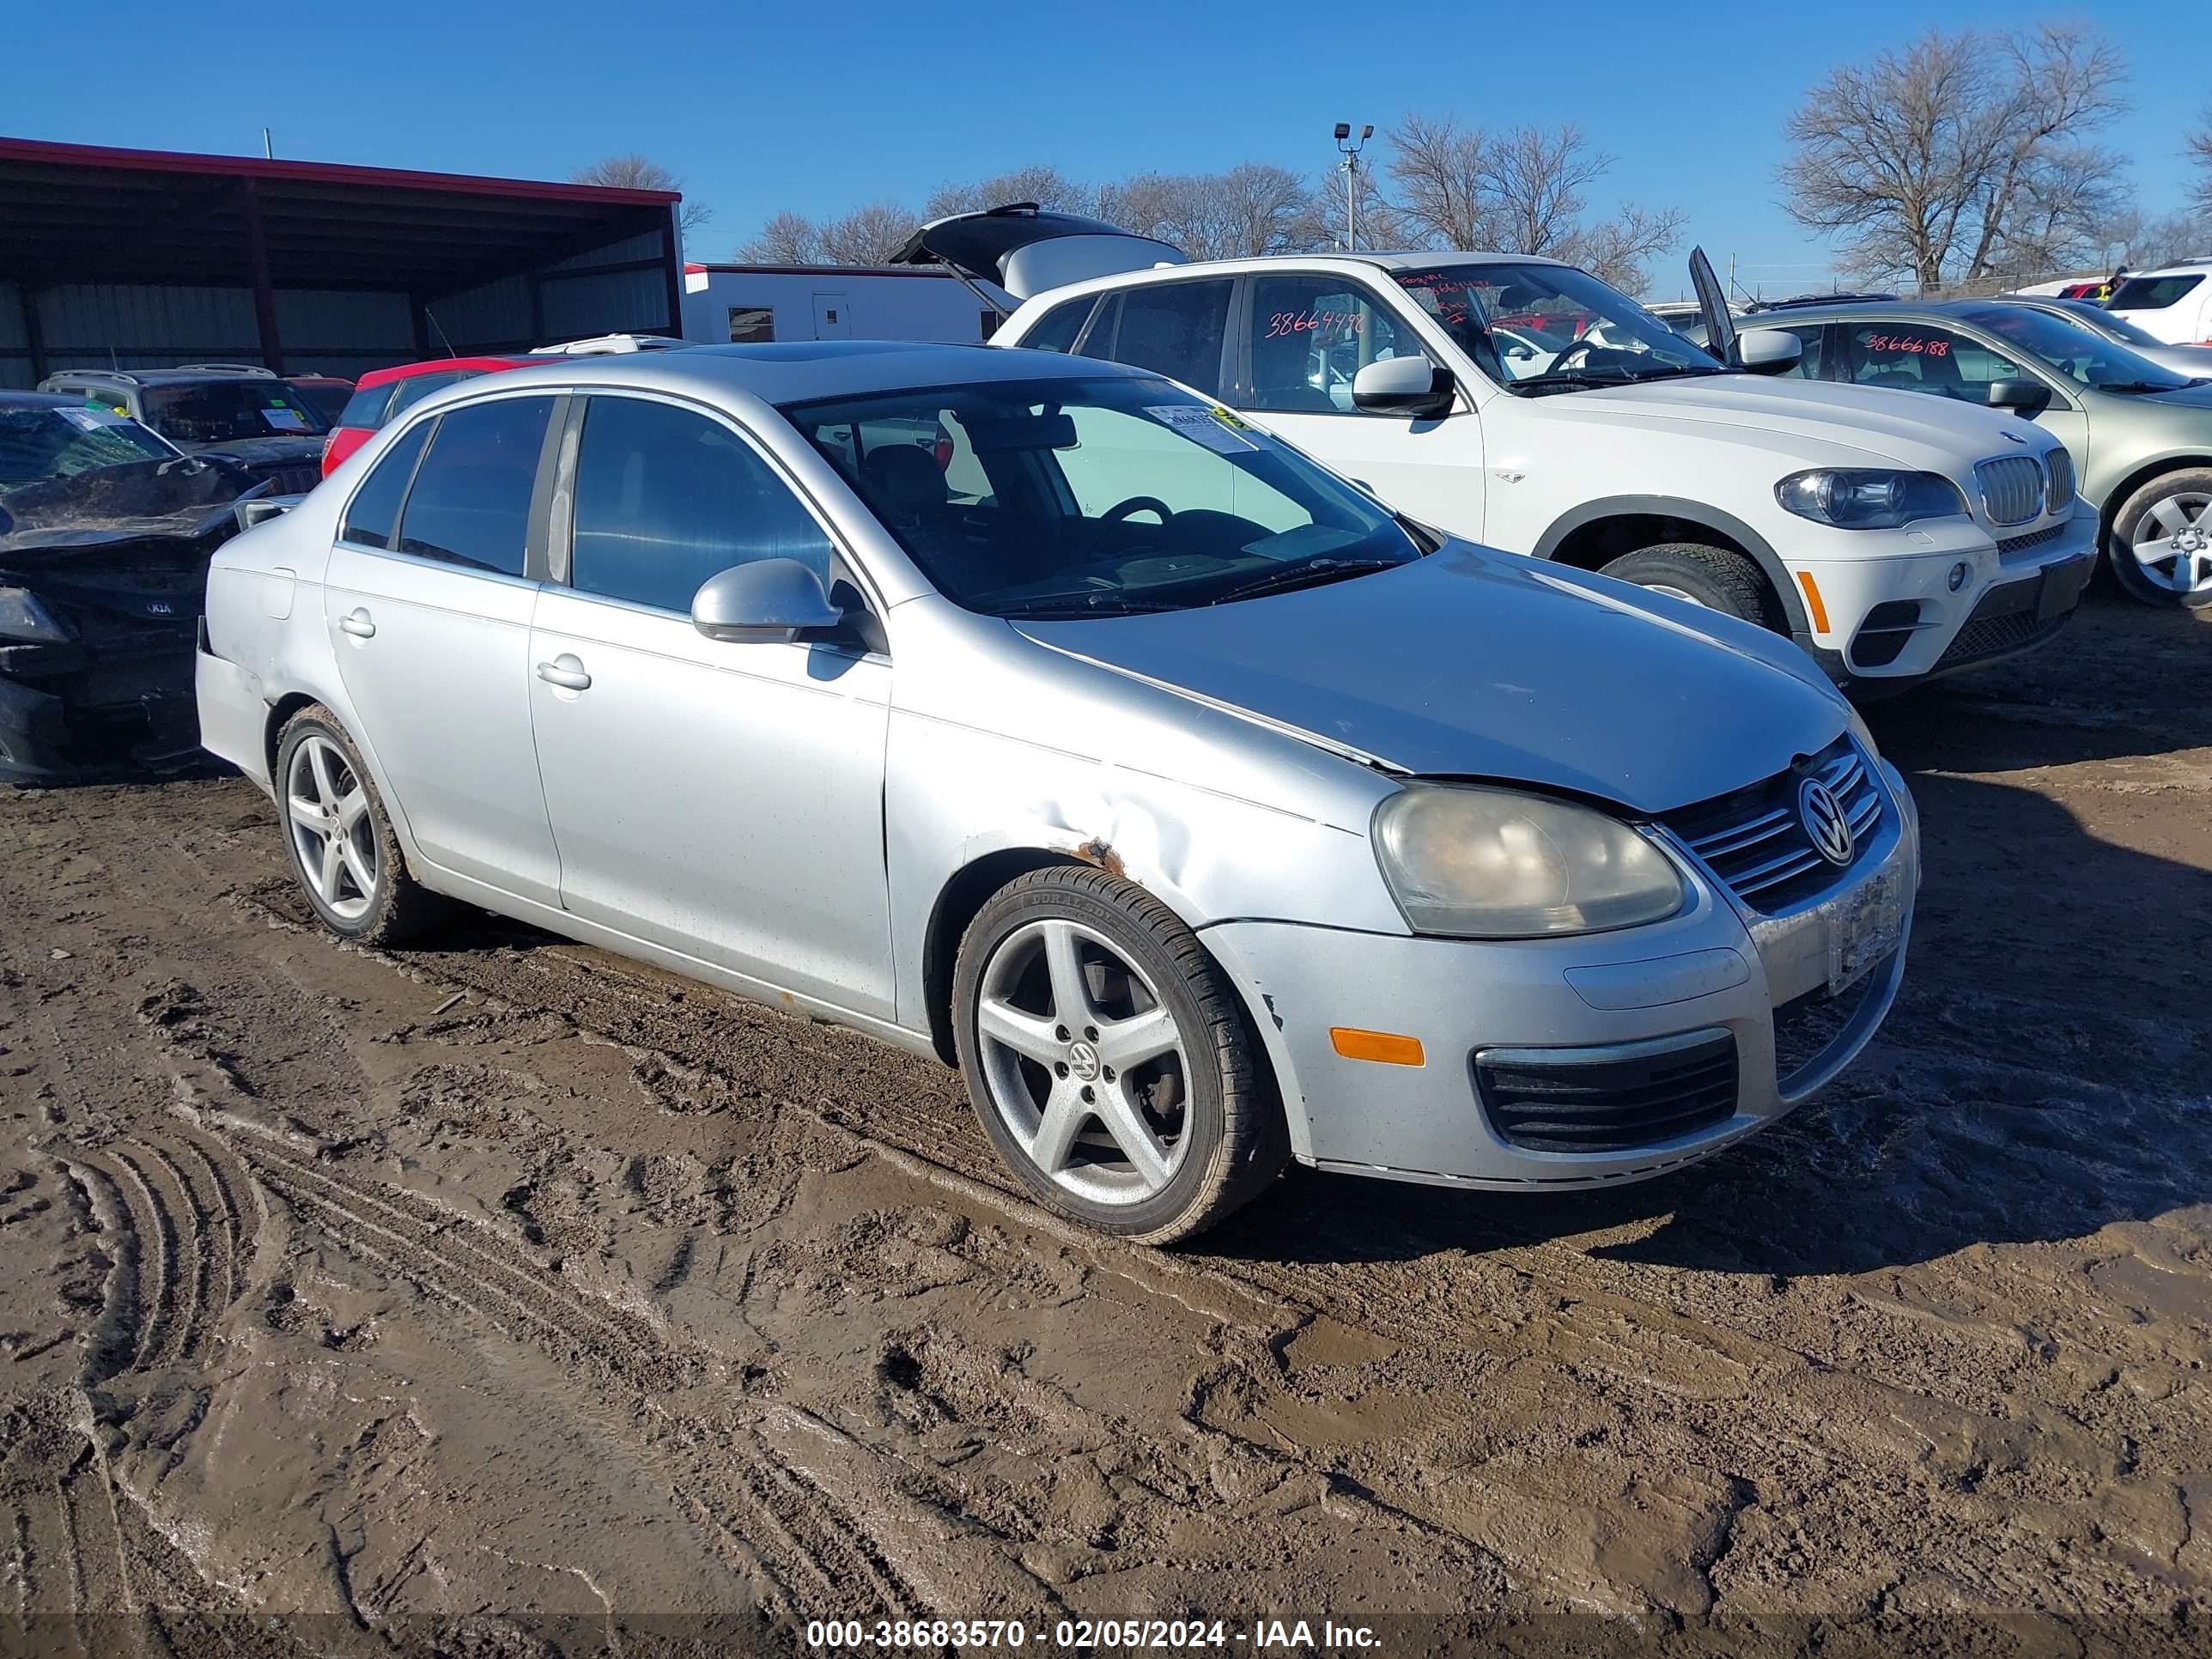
x,y
1524,403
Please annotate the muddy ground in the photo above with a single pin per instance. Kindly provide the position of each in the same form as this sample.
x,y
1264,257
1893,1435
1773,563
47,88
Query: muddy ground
x,y
507,1296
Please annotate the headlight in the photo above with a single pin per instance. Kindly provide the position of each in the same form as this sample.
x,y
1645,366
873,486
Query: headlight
x,y
23,617
1477,863
1855,498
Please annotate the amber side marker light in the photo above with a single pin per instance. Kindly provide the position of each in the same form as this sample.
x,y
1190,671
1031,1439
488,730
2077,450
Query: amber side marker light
x,y
1813,598
1384,1048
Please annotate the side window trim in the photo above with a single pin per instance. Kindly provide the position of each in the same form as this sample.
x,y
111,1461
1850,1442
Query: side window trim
x,y
564,492
1106,314
533,556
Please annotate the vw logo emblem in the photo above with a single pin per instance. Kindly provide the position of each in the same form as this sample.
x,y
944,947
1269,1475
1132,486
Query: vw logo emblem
x,y
1826,824
1083,1059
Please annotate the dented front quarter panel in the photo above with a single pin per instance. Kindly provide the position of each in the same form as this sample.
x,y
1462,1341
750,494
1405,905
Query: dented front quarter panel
x,y
999,742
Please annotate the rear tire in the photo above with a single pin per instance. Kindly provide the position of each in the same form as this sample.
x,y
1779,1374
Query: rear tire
x,y
2173,507
1717,578
339,839
1065,972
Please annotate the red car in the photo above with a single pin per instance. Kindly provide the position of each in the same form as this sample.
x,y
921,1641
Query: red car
x,y
382,394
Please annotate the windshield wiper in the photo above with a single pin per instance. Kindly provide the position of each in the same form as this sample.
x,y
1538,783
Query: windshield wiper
x,y
2130,388
1062,607
1581,379
1313,573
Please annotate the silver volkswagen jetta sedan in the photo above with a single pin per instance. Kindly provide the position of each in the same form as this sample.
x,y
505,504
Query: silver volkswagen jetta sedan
x,y
1032,713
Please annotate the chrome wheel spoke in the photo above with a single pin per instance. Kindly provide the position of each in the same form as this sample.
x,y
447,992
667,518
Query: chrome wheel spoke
x,y
364,878
1057,1127
1028,1034
307,814
319,761
1125,1044
2173,516
352,806
1151,1160
1071,997
333,861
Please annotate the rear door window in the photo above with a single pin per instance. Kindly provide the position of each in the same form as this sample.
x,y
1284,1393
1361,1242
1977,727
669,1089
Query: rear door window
x,y
1177,329
374,512
415,387
666,498
1057,329
365,408
471,502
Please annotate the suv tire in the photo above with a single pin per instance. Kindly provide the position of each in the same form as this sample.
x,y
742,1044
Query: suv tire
x,y
1717,578
1216,1133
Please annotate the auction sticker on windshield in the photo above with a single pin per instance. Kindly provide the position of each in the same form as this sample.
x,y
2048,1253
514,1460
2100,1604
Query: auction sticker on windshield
x,y
284,420
1217,428
1865,929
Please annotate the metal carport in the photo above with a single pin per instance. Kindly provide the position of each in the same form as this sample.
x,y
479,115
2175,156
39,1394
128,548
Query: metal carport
x,y
140,258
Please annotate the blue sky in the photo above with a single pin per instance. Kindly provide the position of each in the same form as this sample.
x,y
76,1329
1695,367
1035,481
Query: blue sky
x,y
824,106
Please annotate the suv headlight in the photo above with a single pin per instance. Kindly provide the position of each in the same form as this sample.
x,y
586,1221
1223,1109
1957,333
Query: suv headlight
x,y
23,617
1862,498
1477,863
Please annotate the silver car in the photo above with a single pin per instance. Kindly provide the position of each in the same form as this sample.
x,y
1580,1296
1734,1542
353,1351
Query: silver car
x,y
1031,713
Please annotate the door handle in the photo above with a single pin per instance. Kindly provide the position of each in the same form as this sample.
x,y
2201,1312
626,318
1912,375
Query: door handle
x,y
357,623
565,672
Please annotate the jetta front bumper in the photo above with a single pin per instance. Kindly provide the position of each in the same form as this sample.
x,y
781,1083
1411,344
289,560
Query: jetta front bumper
x,y
1618,1020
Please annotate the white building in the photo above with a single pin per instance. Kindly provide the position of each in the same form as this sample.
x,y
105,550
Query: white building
x,y
749,304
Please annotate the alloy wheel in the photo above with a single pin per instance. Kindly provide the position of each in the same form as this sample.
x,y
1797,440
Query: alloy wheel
x,y
326,806
1083,1062
2173,543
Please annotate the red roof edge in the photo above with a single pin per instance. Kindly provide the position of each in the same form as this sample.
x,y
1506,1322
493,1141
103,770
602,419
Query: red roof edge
x,y
44,153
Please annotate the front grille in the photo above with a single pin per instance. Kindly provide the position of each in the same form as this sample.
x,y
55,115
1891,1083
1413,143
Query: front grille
x,y
1601,1101
1984,637
2014,546
1755,841
2058,466
2012,488
291,478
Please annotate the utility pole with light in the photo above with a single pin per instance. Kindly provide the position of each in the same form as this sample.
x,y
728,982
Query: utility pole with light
x,y
1349,148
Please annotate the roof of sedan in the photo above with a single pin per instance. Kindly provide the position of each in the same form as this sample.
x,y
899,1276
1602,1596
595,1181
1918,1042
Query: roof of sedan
x,y
797,370
38,400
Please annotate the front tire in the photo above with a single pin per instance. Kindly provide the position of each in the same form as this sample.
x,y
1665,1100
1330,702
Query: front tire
x,y
1109,1061
342,851
1717,578
2160,547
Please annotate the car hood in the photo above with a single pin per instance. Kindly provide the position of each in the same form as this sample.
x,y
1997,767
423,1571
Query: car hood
x,y
1848,424
141,503
263,452
1478,665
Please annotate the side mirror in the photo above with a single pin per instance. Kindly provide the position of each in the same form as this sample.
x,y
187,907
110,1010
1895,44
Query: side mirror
x,y
2025,398
1768,351
768,602
1404,385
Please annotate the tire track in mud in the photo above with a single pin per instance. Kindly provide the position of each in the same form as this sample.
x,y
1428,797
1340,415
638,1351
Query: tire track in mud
x,y
815,1533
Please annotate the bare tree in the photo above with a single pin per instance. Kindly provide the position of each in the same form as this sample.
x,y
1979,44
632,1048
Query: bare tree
x,y
2145,244
788,238
1532,186
1259,208
2199,151
1620,250
1439,168
642,172
1957,154
868,235
1047,186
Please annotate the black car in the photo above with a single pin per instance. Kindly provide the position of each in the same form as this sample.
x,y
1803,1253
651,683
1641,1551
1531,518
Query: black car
x,y
105,533
246,415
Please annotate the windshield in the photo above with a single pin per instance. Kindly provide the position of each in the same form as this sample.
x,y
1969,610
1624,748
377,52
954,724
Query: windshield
x,y
1545,328
1095,497
39,444
2085,358
224,411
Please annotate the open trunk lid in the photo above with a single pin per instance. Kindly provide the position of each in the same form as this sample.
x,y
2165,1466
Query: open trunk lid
x,y
1019,250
